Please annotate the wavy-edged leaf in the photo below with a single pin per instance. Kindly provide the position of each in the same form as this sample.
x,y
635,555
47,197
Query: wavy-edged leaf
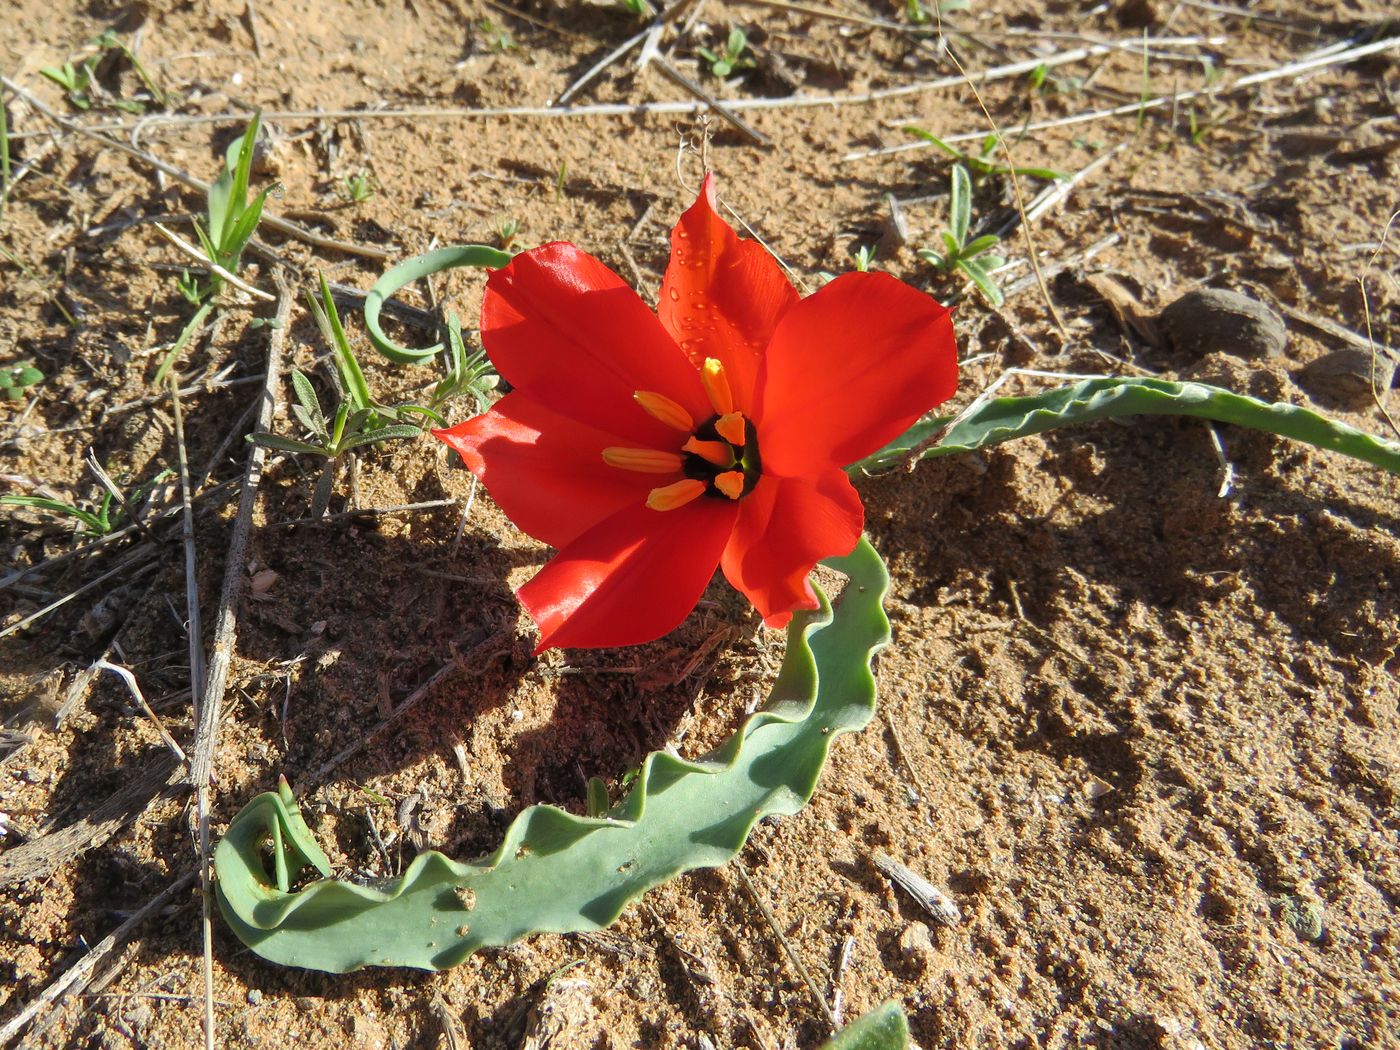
x,y
1003,418
557,872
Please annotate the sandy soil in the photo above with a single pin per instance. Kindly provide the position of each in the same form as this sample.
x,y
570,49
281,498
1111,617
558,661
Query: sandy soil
x,y
1144,734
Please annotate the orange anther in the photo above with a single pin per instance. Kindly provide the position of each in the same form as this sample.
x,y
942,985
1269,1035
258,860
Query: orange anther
x,y
716,385
661,407
716,452
669,497
731,483
645,460
730,426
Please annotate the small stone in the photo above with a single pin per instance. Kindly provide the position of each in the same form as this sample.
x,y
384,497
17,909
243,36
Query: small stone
x,y
1344,376
1304,917
916,946
254,996
1210,320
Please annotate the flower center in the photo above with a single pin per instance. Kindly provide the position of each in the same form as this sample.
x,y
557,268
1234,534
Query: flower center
x,y
719,458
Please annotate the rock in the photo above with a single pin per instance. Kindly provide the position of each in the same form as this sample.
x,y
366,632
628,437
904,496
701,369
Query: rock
x,y
1344,376
1210,320
916,946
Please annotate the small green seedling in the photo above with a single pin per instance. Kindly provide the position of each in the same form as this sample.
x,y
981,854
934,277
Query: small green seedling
x,y
346,431
79,82
358,187
94,523
1043,82
914,10
970,257
982,165
110,510
732,59
15,380
229,225
864,255
74,80
358,420
497,38
468,374
640,8
506,232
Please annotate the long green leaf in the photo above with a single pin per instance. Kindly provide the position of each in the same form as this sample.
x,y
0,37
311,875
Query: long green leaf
x,y
557,872
191,326
328,318
1004,418
414,269
960,204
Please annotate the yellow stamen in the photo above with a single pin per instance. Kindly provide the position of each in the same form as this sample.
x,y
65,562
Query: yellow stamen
x,y
730,426
645,460
716,385
661,407
669,497
716,452
731,483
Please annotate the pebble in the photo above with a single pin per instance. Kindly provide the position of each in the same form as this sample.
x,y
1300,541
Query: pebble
x,y
1210,319
1344,376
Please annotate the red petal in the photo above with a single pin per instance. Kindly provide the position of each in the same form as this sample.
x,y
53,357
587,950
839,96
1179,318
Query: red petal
x,y
630,578
849,369
563,328
722,296
786,526
546,471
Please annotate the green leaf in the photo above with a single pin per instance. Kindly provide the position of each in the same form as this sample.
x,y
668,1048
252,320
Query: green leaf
x,y
420,410
412,270
977,273
978,245
286,444
934,140
373,437
960,203
97,525
1003,418
184,337
883,1028
931,256
557,872
954,248
353,379
312,415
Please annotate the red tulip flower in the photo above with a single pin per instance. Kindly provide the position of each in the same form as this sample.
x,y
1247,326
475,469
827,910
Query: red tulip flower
x,y
650,448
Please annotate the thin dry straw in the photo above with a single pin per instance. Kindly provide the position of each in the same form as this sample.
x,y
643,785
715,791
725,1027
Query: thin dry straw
x,y
1330,56
623,109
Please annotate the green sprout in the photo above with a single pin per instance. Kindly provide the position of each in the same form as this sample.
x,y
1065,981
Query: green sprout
x,y
506,232
498,39
468,374
1043,82
357,419
358,187
864,255
914,10
971,257
79,82
981,165
105,518
15,380
640,8
231,221
732,59
74,80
